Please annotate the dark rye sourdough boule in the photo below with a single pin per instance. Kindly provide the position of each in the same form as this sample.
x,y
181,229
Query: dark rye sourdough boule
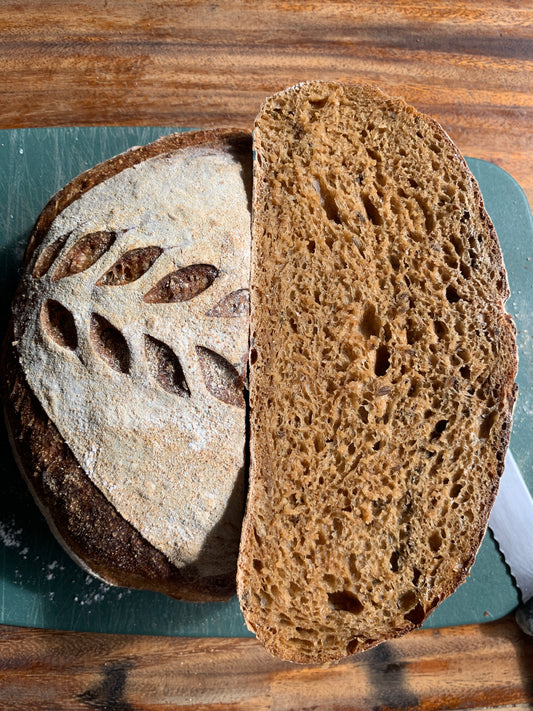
x,y
382,369
125,364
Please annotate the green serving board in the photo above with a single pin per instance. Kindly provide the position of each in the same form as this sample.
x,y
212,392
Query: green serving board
x,y
39,584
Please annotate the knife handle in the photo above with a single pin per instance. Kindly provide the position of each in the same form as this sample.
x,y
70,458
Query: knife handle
x,y
524,616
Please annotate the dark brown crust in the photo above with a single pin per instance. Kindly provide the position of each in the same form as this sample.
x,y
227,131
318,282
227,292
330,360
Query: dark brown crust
x,y
84,521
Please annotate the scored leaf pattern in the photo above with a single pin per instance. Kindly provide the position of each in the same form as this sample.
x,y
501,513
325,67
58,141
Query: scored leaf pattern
x,y
82,255
165,367
130,267
110,344
221,378
58,323
235,304
48,256
183,284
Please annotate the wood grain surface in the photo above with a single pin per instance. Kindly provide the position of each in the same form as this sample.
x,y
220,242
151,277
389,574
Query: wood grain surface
x,y
453,668
191,63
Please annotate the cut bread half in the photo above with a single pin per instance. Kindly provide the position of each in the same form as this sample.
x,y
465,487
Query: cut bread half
x,y
382,369
125,364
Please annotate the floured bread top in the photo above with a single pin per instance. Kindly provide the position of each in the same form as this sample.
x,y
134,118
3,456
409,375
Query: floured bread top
x,y
132,330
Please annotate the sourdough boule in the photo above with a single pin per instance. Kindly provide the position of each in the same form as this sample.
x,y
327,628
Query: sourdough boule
x,y
126,361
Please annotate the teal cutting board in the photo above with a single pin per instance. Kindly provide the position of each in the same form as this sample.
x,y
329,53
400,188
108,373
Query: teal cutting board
x,y
39,585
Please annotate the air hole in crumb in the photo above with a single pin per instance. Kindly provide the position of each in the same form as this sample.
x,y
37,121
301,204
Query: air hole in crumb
x,y
459,327
407,601
352,646
327,199
318,103
465,270
363,414
438,429
58,323
110,344
253,356
465,372
258,565
452,295
440,329
337,525
486,425
435,541
382,360
299,642
417,615
414,388
311,246
345,601
319,442
372,211
455,490
394,561
352,566
165,367
429,217
370,324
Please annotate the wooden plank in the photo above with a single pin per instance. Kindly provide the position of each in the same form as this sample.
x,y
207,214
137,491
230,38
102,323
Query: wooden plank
x,y
452,668
136,62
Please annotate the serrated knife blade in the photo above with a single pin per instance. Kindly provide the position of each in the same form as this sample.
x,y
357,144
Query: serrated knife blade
x,y
511,522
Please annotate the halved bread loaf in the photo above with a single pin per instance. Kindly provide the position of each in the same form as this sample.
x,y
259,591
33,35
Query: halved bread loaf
x,y
126,363
382,370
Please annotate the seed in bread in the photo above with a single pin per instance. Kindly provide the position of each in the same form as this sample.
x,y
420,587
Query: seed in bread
x,y
382,370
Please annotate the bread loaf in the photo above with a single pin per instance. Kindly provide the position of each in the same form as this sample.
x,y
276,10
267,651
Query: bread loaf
x,y
126,360
382,370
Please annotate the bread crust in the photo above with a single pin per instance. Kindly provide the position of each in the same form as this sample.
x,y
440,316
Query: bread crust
x,y
259,537
88,526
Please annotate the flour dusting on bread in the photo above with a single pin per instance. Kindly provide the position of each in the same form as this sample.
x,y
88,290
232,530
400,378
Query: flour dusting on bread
x,y
118,373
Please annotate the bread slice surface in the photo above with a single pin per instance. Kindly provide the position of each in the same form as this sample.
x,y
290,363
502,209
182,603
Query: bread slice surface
x,y
126,363
382,370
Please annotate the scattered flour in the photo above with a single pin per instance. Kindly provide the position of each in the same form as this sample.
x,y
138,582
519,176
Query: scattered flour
x,y
10,535
94,591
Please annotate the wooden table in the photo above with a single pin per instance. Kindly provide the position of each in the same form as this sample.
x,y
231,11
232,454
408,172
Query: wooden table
x,y
203,64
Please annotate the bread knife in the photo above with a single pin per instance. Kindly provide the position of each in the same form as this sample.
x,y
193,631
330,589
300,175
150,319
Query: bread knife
x,y
511,522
